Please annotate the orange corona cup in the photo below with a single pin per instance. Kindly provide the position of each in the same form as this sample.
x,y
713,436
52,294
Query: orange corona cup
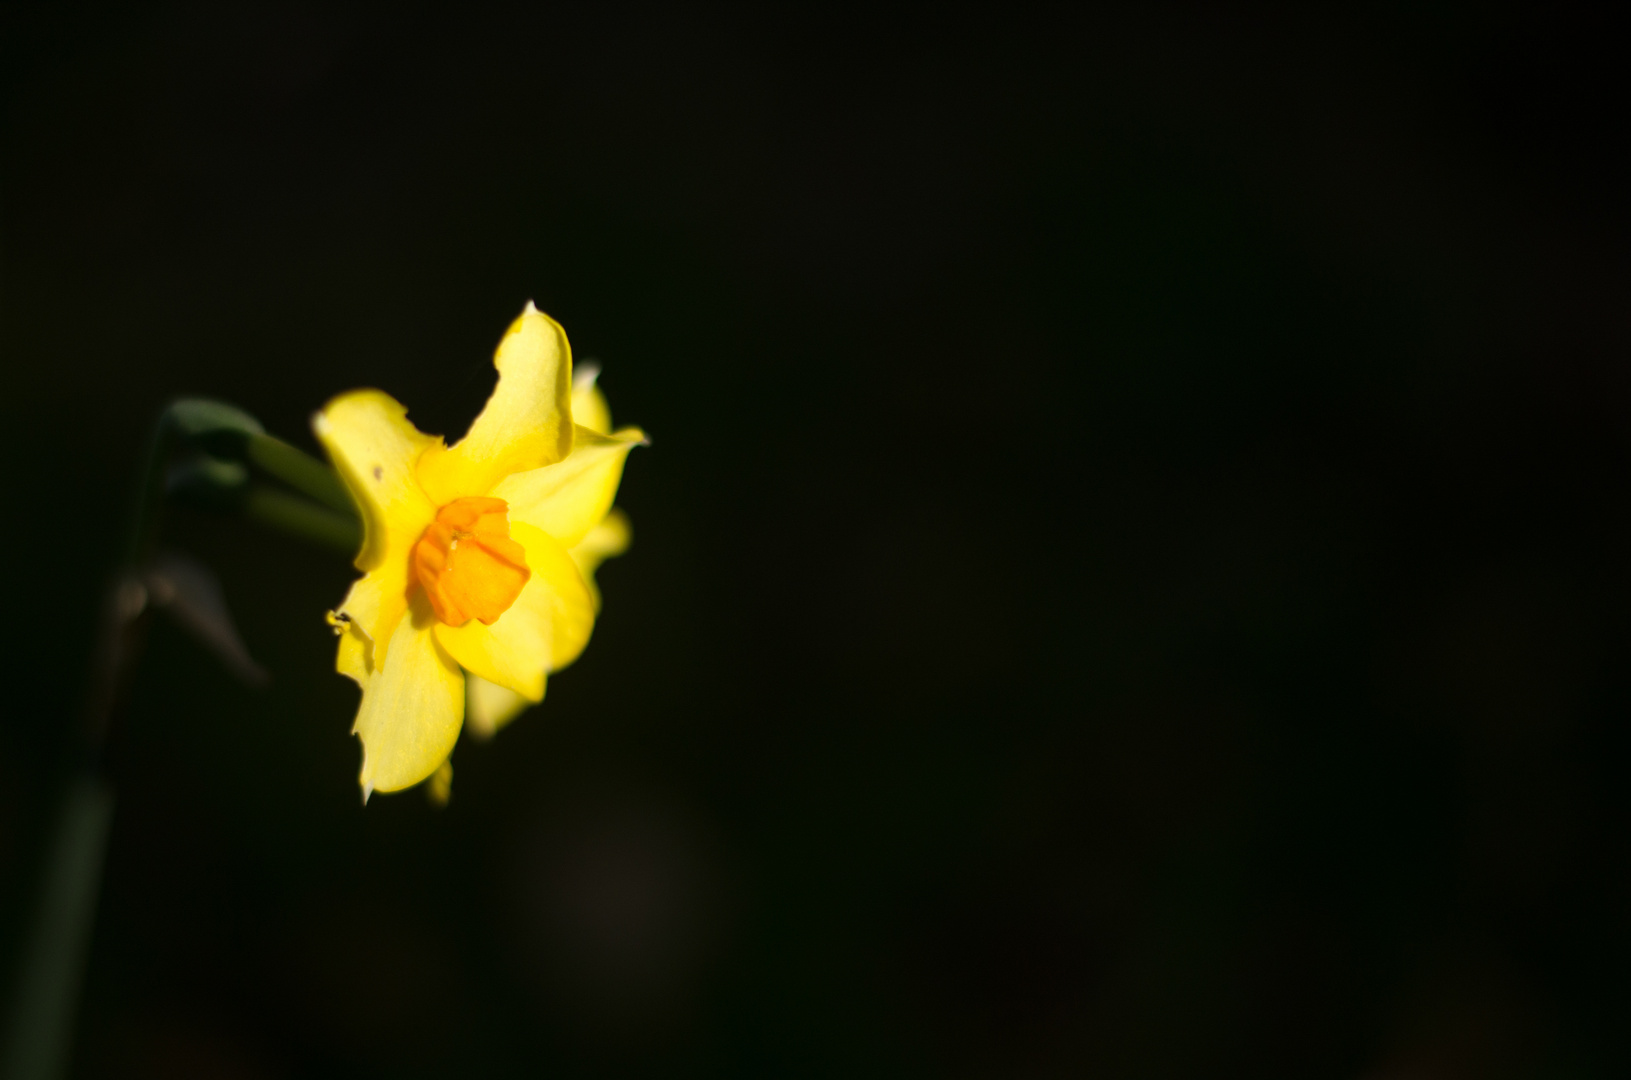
x,y
467,563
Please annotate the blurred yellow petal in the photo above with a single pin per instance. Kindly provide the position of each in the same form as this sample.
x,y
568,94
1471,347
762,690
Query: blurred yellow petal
x,y
568,499
375,449
544,630
489,706
440,788
526,424
611,537
412,706
589,407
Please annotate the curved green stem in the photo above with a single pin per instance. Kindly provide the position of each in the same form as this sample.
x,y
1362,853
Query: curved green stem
x,y
304,519
301,471
41,1028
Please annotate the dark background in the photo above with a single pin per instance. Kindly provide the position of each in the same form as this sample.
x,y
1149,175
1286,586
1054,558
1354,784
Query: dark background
x,y
1130,581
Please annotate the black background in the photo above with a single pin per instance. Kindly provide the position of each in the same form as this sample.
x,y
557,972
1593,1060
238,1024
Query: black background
x,y
1130,579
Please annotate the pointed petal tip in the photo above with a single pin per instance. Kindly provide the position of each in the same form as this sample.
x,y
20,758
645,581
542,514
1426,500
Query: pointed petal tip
x,y
367,790
530,309
635,436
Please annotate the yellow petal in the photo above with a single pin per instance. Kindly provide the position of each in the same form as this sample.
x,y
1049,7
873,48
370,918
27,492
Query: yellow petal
x,y
373,607
440,788
489,707
375,449
356,657
544,630
589,407
526,424
611,537
568,499
412,706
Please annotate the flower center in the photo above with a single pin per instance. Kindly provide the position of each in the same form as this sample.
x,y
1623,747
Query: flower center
x,y
468,564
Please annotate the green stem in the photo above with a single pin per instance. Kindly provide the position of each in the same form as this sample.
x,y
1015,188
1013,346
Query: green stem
x,y
39,1032
40,1023
149,492
306,520
302,472
42,1016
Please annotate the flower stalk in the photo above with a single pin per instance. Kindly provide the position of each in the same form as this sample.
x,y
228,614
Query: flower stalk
x,y
219,443
54,956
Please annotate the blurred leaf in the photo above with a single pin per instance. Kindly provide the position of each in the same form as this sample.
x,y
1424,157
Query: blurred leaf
x,y
218,428
207,483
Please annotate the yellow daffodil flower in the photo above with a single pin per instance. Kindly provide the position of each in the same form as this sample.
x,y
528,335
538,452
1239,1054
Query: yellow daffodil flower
x,y
489,706
467,550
